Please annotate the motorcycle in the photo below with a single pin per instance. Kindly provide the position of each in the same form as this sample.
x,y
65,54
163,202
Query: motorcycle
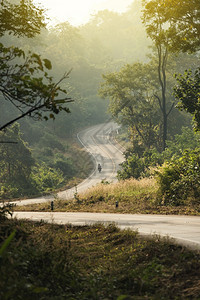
x,y
99,168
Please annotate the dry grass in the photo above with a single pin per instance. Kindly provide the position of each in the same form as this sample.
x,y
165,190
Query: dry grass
x,y
132,196
122,188
47,261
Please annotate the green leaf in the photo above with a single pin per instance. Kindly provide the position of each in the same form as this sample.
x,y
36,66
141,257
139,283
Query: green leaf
x,y
123,297
47,64
39,290
7,242
38,60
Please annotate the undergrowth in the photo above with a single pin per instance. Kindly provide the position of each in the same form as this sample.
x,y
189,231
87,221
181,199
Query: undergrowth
x,y
47,261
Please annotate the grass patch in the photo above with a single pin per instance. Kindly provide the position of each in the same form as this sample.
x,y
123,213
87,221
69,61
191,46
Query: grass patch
x,y
132,196
48,261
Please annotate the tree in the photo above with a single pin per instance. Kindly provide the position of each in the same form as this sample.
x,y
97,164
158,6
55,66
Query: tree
x,y
187,92
27,85
15,162
132,103
24,79
179,20
182,19
155,22
173,26
185,16
21,18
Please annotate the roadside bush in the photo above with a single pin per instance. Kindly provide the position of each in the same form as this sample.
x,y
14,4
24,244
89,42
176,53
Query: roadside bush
x,y
179,180
7,191
188,139
63,163
137,167
46,179
152,158
139,161
132,167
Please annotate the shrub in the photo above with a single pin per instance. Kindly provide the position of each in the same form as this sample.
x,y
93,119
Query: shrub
x,y
8,191
139,161
137,167
46,179
132,167
188,139
179,180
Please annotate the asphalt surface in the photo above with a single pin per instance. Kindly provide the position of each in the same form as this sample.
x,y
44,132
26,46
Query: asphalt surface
x,y
97,141
184,230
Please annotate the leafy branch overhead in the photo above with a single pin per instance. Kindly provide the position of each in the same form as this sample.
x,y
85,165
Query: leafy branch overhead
x,y
180,18
21,19
25,81
27,85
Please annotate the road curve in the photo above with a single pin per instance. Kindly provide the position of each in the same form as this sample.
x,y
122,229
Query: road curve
x,y
185,230
96,140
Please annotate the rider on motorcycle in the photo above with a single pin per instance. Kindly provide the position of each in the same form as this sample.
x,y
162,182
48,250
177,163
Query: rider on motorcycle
x,y
99,168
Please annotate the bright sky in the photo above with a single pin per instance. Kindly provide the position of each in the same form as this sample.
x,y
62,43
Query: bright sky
x,y
77,12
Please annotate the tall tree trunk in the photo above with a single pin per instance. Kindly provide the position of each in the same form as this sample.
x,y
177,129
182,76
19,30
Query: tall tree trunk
x,y
162,61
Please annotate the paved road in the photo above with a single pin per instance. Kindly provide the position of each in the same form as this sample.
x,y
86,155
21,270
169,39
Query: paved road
x,y
97,141
184,229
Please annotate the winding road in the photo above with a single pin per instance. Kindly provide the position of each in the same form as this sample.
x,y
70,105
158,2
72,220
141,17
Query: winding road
x,y
96,140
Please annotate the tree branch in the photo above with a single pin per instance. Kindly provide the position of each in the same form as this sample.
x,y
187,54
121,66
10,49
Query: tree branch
x,y
170,109
160,104
21,116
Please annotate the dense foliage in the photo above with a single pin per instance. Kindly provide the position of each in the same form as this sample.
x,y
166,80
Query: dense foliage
x,y
179,180
26,173
20,175
140,162
21,18
16,162
187,92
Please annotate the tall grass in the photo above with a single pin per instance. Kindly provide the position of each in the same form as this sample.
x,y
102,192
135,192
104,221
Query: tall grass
x,y
131,196
122,190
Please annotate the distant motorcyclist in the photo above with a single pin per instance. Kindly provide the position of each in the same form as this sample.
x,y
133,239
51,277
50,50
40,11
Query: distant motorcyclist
x,y
99,168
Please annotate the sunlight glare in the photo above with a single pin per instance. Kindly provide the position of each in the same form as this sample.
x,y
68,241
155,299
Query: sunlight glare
x,y
78,12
